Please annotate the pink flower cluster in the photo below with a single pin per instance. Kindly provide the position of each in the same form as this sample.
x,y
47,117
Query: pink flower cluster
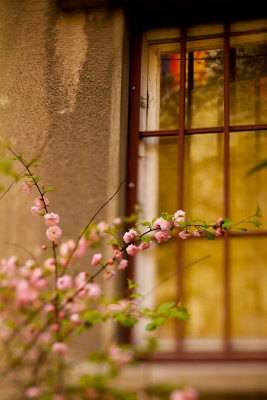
x,y
188,393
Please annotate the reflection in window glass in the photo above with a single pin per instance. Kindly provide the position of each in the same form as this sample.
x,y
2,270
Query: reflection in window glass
x,y
169,91
203,287
203,194
249,84
248,288
204,88
247,149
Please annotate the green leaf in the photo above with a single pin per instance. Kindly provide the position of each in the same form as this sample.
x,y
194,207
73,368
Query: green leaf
x,y
156,323
145,223
209,235
163,308
49,189
180,314
131,284
126,321
255,222
227,223
258,212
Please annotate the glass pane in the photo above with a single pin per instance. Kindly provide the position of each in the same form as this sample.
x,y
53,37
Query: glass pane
x,y
166,281
169,90
248,289
158,175
204,100
157,278
203,287
248,149
168,174
248,94
203,193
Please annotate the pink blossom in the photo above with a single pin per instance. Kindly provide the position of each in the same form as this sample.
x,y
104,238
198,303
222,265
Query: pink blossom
x,y
191,393
197,233
219,222
45,337
219,232
144,245
81,279
162,236
108,274
26,188
75,318
59,348
117,254
132,250
58,397
96,258
129,236
83,246
41,202
162,223
102,226
110,261
93,290
51,219
123,264
8,266
32,392
53,233
64,282
49,307
120,356
117,221
55,327
66,247
178,217
184,235
35,210
50,264
177,395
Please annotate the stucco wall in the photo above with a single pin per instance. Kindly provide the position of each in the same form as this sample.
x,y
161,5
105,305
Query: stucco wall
x,y
63,85
60,96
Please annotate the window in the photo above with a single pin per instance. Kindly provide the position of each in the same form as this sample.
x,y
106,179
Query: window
x,y
198,123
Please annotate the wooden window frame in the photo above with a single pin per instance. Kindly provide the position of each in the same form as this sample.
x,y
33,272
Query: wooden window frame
x,y
135,135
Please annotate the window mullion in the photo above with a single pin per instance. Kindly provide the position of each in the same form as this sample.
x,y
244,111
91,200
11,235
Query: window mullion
x,y
226,265
181,135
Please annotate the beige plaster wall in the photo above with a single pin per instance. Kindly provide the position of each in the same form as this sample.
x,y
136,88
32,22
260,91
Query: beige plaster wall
x,y
60,96
63,85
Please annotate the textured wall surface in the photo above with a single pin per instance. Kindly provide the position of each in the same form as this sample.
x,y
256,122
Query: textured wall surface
x,y
60,96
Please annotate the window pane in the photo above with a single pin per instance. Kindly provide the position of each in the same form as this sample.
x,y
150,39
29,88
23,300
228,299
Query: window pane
x,y
159,103
157,278
248,95
168,174
204,98
158,175
203,287
169,90
248,291
203,193
247,149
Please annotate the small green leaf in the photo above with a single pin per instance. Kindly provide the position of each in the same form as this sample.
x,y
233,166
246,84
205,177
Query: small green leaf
x,y
131,284
165,307
209,235
227,223
156,323
258,212
49,189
